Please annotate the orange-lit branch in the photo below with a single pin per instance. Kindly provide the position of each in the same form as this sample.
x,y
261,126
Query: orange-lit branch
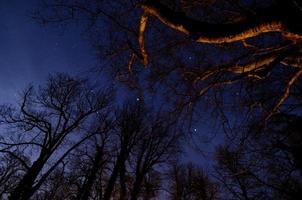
x,y
268,21
251,68
287,55
141,39
294,60
131,62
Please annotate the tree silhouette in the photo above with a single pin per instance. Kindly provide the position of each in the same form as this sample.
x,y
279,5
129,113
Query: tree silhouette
x,y
263,163
45,121
234,55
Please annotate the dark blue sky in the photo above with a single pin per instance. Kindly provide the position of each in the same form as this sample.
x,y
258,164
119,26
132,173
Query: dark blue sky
x,y
29,51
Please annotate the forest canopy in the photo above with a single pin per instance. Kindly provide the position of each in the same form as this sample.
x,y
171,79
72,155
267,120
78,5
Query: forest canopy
x,y
232,68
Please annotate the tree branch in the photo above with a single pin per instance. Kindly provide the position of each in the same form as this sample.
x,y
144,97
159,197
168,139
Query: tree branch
x,y
269,20
285,94
141,38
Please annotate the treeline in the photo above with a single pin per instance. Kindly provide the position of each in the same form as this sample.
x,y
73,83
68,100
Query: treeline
x,y
68,140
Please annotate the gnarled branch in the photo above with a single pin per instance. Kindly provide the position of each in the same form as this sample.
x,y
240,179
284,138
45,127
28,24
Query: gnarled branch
x,y
269,20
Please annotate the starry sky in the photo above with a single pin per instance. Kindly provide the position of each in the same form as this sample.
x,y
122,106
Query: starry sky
x,y
29,52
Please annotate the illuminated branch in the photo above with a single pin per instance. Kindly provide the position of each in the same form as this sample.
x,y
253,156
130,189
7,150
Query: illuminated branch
x,y
249,69
268,21
131,62
141,39
253,66
287,55
256,69
294,60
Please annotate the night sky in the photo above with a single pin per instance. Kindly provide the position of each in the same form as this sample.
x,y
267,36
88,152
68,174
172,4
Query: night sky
x,y
235,96
29,52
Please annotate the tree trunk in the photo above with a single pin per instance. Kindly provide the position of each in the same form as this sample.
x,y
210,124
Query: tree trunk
x,y
121,159
24,189
85,190
123,182
137,187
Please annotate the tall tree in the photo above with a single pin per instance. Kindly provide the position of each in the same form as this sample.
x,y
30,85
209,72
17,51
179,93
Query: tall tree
x,y
53,117
235,55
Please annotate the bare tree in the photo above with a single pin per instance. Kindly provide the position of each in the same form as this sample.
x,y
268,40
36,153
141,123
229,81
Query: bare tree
x,y
46,120
263,163
59,185
179,42
12,166
143,142
99,157
158,145
123,160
